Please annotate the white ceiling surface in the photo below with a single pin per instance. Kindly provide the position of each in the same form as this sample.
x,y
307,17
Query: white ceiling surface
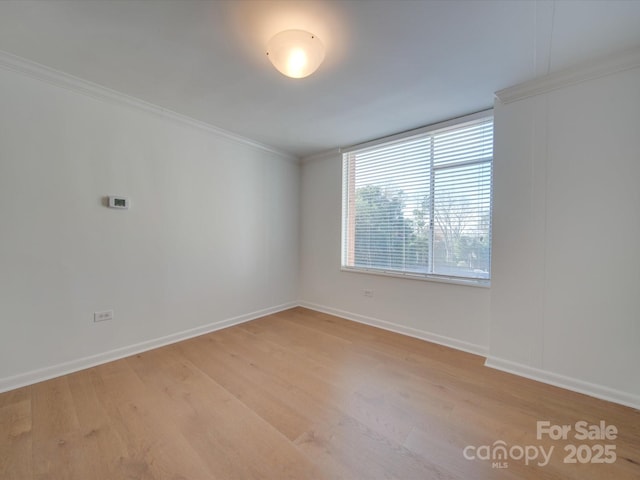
x,y
390,65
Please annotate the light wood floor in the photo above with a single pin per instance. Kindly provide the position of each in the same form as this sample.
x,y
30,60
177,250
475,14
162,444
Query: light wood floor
x,y
298,395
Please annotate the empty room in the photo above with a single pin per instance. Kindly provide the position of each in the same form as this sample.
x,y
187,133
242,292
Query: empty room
x,y
323,239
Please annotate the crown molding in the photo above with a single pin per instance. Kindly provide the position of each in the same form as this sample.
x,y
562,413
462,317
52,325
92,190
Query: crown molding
x,y
61,79
626,60
331,153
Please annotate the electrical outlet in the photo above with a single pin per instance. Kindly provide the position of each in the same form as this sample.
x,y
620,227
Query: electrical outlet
x,y
103,316
367,293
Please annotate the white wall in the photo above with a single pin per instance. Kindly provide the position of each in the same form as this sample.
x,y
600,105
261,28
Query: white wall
x,y
212,235
565,302
196,252
450,314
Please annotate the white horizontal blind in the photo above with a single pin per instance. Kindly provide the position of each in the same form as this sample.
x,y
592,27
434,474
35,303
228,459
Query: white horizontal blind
x,y
421,205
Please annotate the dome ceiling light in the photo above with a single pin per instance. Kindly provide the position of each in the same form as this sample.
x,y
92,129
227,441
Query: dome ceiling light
x,y
295,53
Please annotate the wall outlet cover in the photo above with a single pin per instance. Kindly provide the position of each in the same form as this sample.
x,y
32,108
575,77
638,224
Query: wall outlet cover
x,y
103,315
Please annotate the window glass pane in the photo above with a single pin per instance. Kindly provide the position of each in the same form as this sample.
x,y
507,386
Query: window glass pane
x,y
462,214
421,205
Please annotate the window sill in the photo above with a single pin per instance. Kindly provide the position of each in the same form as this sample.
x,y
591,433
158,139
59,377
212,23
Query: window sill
x,y
468,282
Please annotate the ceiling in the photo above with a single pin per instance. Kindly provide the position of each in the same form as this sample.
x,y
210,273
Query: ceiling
x,y
390,66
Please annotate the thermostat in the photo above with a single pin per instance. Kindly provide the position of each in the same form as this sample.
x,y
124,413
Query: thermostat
x,y
118,202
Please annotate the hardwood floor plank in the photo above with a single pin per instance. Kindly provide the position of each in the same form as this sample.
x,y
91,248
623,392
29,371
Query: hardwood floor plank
x,y
15,438
299,395
232,439
352,450
15,396
265,396
151,446
54,430
101,448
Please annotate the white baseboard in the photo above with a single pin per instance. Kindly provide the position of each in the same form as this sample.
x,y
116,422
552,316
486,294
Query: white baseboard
x,y
394,327
579,386
557,380
576,385
39,375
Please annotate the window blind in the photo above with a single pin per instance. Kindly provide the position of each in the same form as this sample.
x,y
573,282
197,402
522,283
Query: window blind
x,y
420,204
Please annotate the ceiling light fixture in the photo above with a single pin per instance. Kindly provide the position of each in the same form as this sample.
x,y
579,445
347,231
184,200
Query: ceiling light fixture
x,y
295,53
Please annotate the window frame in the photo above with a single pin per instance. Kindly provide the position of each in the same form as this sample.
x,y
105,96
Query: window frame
x,y
349,195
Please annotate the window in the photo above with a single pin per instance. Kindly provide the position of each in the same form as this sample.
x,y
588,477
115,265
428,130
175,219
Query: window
x,y
419,204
